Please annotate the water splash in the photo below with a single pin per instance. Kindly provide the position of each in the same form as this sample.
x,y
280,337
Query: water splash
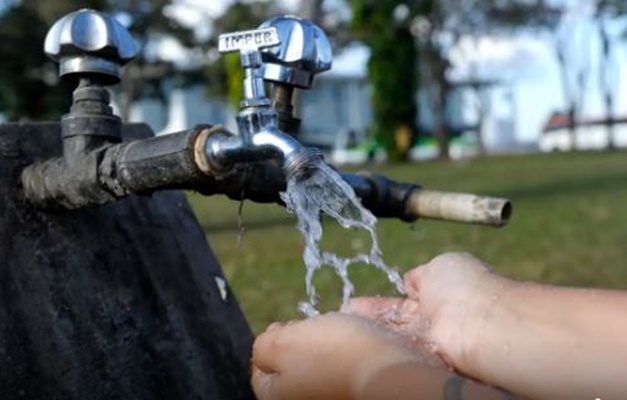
x,y
326,192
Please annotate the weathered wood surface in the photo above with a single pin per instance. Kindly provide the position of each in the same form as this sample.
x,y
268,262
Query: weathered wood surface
x,y
118,302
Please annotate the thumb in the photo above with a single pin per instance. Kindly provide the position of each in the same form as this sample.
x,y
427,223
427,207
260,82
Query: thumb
x,y
264,384
412,280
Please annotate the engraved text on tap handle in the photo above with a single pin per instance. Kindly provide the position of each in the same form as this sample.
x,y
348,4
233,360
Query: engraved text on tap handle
x,y
248,40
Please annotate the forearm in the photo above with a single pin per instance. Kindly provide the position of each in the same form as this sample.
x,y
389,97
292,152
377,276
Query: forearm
x,y
415,381
546,342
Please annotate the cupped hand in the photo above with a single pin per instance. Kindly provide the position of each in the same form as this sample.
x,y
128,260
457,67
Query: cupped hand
x,y
447,300
324,357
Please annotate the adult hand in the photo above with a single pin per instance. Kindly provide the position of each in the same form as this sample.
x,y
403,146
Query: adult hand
x,y
325,357
447,301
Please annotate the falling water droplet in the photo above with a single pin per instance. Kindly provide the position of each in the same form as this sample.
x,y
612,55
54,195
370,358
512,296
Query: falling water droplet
x,y
307,309
241,228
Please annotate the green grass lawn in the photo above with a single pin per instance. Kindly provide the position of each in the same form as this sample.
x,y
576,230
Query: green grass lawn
x,y
569,227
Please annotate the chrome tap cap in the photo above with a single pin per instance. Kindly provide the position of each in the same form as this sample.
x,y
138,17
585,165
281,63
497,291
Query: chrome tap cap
x,y
90,42
304,52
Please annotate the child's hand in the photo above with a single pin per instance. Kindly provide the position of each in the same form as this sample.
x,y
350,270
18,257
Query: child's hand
x,y
447,302
326,357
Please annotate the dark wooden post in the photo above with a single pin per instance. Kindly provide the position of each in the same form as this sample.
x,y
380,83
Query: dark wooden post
x,y
125,301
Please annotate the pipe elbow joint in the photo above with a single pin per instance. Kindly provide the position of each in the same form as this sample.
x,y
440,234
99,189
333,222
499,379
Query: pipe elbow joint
x,y
224,152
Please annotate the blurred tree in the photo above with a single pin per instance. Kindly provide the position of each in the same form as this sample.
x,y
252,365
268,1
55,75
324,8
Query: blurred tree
x,y
384,25
606,12
50,11
26,74
312,10
575,59
428,29
150,24
572,47
333,16
400,32
445,23
507,17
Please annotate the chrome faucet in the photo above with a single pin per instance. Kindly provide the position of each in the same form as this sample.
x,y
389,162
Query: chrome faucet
x,y
91,49
98,167
260,138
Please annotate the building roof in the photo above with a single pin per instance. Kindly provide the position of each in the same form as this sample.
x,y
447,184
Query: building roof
x,y
559,121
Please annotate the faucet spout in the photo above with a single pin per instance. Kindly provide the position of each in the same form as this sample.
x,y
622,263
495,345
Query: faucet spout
x,y
296,160
283,145
224,153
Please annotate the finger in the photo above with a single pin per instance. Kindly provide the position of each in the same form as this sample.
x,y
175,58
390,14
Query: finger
x,y
373,307
265,350
263,384
411,282
386,311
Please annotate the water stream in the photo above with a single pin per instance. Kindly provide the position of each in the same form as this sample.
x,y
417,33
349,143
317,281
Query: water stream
x,y
326,192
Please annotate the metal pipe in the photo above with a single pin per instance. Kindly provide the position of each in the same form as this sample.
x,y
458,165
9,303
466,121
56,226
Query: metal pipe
x,y
115,171
458,207
283,143
183,161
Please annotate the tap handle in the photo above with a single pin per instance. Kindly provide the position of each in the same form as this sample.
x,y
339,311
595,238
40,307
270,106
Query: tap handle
x,y
304,52
90,42
249,44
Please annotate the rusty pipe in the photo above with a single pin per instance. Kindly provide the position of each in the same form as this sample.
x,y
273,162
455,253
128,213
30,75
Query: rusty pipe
x,y
458,207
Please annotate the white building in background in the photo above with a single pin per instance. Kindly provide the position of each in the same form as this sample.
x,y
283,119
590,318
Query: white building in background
x,y
187,107
590,134
337,110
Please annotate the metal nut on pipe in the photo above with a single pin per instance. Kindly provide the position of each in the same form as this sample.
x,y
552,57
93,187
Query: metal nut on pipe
x,y
459,207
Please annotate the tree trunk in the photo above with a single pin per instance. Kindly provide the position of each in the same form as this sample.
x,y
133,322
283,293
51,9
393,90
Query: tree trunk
x,y
569,95
609,107
439,125
311,9
125,301
607,88
481,117
439,111
572,126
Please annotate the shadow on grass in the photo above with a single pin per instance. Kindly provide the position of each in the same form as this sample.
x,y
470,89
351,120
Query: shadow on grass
x,y
612,182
